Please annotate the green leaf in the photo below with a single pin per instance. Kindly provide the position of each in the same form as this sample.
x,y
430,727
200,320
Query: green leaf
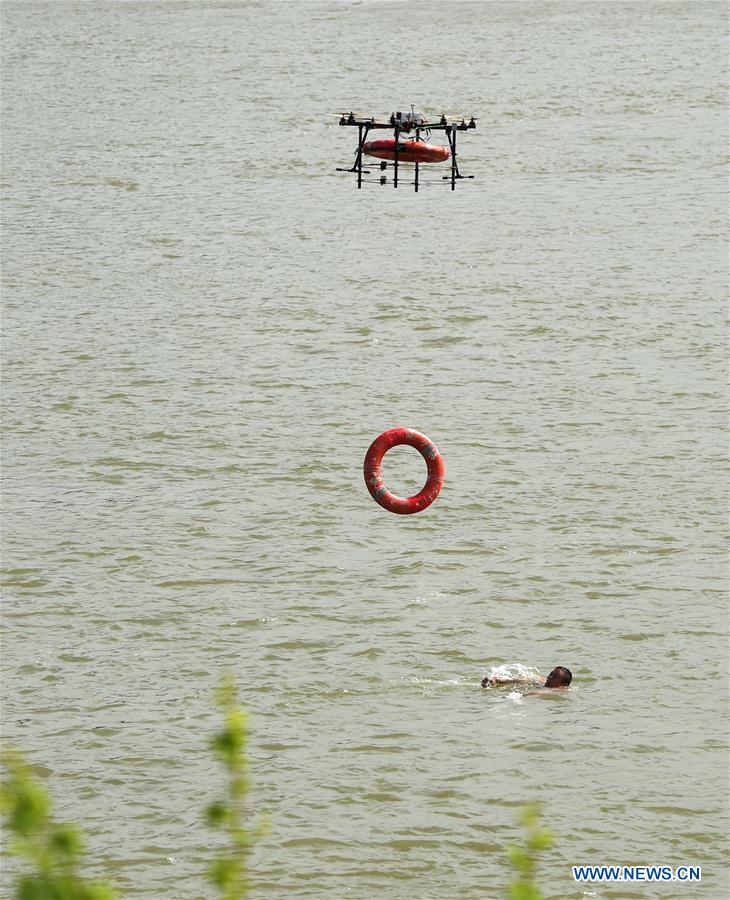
x,y
50,848
66,842
524,858
217,813
519,858
30,807
522,890
540,839
230,873
223,871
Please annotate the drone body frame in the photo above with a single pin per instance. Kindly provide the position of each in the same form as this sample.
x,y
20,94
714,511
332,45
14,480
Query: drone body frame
x,y
405,123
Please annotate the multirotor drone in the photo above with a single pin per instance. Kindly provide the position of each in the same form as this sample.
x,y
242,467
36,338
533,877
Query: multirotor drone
x,y
414,150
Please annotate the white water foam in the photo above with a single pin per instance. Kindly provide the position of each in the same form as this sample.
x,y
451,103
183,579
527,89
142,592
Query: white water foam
x,y
512,672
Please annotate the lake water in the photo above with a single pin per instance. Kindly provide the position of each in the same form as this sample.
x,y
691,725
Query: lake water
x,y
205,326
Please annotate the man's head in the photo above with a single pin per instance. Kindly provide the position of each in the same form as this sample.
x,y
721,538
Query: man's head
x,y
559,677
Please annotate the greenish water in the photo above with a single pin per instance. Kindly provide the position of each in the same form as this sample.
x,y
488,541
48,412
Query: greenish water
x,y
205,326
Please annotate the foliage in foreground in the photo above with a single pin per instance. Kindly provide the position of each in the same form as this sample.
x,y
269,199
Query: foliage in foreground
x,y
230,873
524,859
53,850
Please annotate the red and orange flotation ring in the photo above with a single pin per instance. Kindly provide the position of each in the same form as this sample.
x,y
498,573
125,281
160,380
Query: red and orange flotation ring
x,y
374,480
408,151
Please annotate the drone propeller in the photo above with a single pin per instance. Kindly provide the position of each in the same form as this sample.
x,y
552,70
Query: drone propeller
x,y
463,125
352,118
458,117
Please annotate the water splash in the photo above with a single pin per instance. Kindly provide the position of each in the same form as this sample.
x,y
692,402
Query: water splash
x,y
512,672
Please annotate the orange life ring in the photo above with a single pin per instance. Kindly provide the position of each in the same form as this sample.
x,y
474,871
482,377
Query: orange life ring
x,y
374,480
408,151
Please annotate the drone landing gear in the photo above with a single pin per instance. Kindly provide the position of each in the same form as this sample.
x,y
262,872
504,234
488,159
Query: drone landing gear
x,y
451,135
357,167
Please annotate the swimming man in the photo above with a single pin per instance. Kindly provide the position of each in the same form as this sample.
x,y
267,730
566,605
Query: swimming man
x,y
558,679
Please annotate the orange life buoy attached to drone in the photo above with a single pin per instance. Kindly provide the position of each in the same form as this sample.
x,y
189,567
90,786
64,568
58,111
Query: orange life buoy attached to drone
x,y
374,480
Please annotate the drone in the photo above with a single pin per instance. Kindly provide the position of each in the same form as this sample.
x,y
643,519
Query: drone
x,y
414,150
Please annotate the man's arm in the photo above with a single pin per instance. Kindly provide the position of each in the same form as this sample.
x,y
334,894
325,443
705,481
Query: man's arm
x,y
498,680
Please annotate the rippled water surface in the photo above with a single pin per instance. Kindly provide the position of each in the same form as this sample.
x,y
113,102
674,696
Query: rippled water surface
x,y
204,328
